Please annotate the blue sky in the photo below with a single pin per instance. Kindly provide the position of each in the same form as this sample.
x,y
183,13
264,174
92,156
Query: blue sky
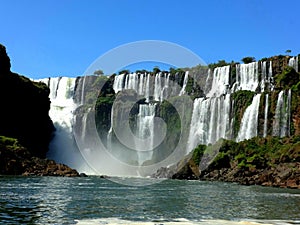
x,y
63,37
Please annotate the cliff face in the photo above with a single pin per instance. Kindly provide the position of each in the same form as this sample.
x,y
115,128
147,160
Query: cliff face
x,y
25,126
24,109
4,60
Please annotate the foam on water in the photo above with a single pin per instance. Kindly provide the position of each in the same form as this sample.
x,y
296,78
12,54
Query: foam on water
x,y
182,221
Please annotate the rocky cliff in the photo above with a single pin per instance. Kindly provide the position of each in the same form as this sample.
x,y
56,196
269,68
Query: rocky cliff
x,y
24,109
25,126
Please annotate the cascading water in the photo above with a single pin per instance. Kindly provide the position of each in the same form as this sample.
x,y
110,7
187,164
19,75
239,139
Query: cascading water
x,y
166,87
145,131
271,79
186,78
264,77
266,116
142,84
118,83
293,62
157,88
211,118
147,91
210,121
249,122
281,123
247,76
208,82
62,146
220,81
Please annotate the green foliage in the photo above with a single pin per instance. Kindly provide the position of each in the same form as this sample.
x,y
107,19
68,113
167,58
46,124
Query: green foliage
x,y
242,99
253,153
198,153
248,59
287,78
220,63
173,70
288,51
9,142
263,59
296,88
99,72
124,72
189,86
142,71
156,70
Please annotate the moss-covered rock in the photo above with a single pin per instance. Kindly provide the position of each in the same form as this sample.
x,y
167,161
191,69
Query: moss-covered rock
x,y
242,99
287,78
15,159
270,161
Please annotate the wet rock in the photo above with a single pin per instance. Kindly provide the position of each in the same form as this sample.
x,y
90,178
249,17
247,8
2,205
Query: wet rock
x,y
82,175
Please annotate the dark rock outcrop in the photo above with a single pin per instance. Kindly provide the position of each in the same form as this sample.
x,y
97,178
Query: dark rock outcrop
x,y
4,61
25,126
24,109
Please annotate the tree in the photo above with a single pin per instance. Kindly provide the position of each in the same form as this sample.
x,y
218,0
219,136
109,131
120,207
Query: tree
x,y
248,59
124,72
156,70
288,51
98,72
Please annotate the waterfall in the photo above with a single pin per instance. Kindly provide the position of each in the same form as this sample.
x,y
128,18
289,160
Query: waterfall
x,y
210,121
270,80
248,128
61,148
118,83
82,92
293,62
157,88
247,76
220,81
264,77
282,120
208,82
186,77
147,91
198,124
141,83
166,87
266,116
278,115
288,112
141,87
145,131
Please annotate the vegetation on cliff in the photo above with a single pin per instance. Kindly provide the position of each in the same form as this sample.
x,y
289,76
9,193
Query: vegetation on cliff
x,y
267,161
242,99
17,160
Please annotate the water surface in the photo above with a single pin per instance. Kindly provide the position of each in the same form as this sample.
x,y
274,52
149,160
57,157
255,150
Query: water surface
x,y
94,200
